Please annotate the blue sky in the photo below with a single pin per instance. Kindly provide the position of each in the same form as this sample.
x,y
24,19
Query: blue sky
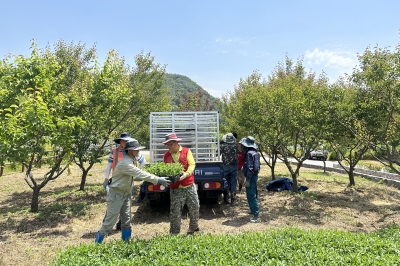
x,y
214,43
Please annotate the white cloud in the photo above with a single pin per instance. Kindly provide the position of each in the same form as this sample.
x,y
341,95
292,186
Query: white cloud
x,y
234,40
340,61
223,40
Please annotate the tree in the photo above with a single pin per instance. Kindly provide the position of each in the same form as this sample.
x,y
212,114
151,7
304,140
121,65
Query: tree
x,y
31,123
348,131
378,79
119,99
247,111
283,113
301,119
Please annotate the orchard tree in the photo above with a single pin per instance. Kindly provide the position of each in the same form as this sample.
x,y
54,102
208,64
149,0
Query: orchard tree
x,y
378,79
283,113
119,99
348,130
146,78
31,123
249,110
103,104
302,123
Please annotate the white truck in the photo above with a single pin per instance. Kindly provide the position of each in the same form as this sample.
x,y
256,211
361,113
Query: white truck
x,y
199,131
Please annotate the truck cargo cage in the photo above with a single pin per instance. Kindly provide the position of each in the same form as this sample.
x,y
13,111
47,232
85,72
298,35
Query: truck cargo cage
x,y
199,131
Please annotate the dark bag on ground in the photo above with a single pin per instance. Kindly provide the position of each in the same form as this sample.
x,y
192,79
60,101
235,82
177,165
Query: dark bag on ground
x,y
283,183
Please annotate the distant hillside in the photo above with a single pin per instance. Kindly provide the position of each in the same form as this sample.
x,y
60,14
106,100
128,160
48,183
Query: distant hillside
x,y
182,86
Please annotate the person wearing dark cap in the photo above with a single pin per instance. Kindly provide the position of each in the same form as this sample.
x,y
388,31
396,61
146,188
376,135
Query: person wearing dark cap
x,y
184,190
119,190
229,150
116,155
251,168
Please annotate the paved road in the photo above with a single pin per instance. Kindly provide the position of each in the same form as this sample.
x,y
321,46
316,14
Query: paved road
x,y
315,162
320,163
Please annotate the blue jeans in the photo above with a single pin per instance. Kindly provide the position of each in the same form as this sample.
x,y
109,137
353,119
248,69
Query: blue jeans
x,y
251,194
230,174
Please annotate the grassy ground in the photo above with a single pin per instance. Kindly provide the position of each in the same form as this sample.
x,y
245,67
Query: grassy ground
x,y
68,216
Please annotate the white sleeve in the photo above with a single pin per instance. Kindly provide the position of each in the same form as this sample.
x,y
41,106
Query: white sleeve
x,y
108,170
142,163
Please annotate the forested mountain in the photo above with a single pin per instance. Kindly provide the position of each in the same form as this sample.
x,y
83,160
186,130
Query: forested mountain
x,y
187,95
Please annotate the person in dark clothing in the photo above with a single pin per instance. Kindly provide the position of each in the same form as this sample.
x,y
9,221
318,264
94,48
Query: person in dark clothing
x,y
240,158
251,169
229,150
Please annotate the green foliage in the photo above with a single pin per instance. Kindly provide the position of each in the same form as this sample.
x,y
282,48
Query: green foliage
x,y
282,112
181,87
164,169
377,80
290,246
35,119
333,156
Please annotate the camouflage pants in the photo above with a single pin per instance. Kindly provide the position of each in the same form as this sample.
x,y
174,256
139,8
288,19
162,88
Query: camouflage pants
x,y
180,197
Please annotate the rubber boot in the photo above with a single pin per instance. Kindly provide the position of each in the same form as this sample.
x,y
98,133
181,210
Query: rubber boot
x,y
126,234
99,238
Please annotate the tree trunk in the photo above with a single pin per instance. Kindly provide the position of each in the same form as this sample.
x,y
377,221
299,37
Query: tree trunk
x,y
351,176
35,199
273,171
294,178
83,179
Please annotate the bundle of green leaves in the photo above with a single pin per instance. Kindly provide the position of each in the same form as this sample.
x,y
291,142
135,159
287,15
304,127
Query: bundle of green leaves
x,y
164,169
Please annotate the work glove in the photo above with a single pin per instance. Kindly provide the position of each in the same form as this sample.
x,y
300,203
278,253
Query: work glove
x,y
183,176
105,183
247,184
164,181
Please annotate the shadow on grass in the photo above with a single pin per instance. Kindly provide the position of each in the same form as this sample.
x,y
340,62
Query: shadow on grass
x,y
152,212
58,206
149,212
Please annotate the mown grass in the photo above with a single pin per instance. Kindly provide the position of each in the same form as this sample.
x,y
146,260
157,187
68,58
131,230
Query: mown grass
x,y
289,246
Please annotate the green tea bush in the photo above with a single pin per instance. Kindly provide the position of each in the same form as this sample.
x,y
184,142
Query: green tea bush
x,y
289,246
